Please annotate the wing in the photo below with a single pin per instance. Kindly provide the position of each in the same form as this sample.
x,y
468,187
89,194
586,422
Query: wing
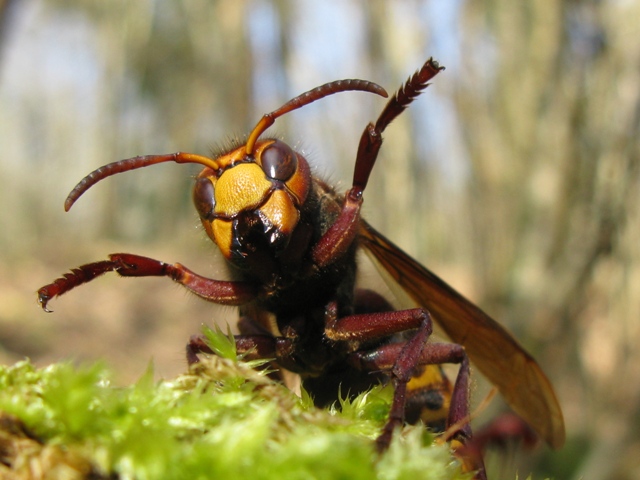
x,y
489,345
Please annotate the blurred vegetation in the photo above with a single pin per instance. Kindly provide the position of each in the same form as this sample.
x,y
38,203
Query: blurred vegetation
x,y
515,177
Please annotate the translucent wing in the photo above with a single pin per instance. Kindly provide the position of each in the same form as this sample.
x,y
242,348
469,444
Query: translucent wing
x,y
489,345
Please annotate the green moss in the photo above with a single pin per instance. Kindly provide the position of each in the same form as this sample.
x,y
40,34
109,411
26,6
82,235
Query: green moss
x,y
222,419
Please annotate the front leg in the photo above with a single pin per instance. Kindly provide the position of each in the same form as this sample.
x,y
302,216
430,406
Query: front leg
x,y
130,265
336,241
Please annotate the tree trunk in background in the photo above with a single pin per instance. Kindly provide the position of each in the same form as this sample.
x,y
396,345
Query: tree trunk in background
x,y
550,109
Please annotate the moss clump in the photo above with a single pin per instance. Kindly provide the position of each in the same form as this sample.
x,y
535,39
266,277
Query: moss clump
x,y
222,419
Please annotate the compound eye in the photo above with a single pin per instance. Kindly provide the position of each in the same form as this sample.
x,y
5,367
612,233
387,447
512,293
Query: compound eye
x,y
203,198
279,161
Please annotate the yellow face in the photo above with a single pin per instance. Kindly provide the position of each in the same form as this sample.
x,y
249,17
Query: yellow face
x,y
271,184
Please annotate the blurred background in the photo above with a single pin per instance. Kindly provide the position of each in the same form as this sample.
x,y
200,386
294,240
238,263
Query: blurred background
x,y
515,177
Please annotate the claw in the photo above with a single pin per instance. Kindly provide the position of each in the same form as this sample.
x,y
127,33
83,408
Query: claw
x,y
43,300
